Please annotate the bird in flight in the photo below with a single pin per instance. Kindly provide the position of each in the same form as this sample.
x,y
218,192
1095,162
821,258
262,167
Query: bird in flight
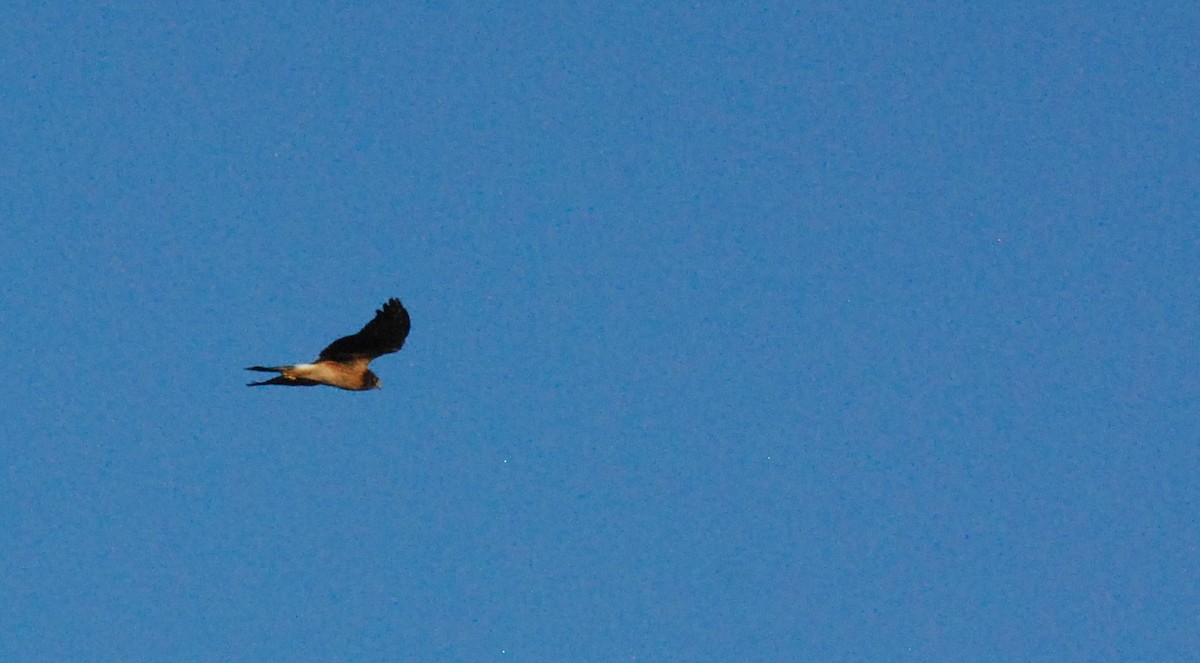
x,y
344,363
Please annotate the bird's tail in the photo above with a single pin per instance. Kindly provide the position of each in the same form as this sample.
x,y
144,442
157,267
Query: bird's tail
x,y
284,381
285,377
269,369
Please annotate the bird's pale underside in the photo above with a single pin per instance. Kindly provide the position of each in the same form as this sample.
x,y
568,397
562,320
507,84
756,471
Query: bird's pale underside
x,y
344,363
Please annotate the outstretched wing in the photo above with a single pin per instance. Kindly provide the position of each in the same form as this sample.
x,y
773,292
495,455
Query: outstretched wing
x,y
383,335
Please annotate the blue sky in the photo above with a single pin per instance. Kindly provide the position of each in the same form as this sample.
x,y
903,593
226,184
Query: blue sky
x,y
769,332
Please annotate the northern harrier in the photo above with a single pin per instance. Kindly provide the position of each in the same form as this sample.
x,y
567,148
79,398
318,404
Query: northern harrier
x,y
344,363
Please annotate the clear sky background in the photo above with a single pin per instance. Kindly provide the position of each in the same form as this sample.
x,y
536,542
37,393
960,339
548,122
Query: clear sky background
x,y
741,332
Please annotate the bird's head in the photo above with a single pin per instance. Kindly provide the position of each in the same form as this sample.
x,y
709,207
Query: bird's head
x,y
371,381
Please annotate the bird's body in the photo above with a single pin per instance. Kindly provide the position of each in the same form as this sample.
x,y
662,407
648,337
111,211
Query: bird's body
x,y
353,377
344,363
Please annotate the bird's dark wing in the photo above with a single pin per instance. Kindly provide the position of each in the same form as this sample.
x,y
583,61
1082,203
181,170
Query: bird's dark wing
x,y
383,335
